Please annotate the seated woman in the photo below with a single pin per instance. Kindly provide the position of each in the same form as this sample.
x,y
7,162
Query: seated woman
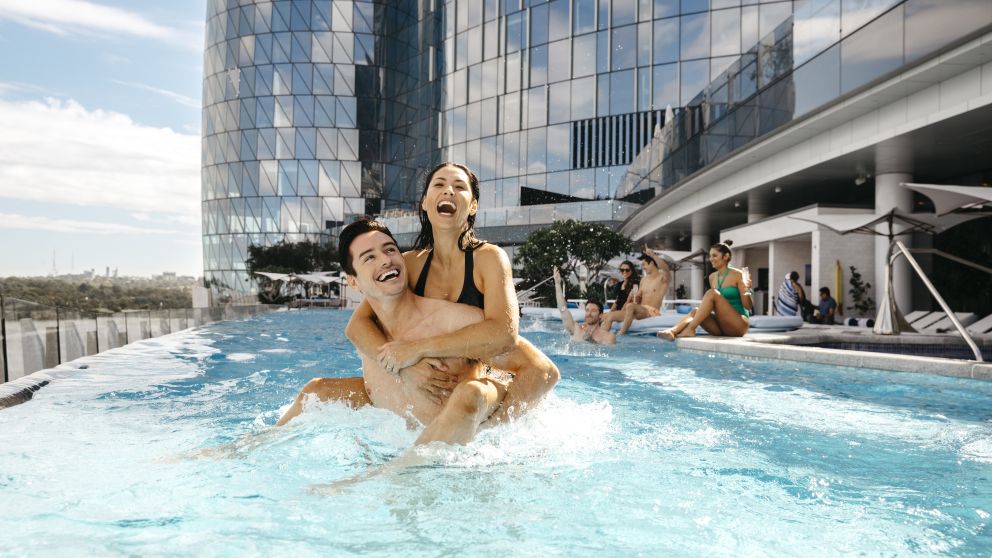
x,y
448,262
725,308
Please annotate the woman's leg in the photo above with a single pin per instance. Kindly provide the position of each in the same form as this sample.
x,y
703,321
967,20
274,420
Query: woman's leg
x,y
470,404
350,390
671,333
717,317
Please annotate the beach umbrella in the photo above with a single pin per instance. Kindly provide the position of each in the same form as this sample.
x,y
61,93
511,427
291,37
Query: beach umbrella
x,y
948,198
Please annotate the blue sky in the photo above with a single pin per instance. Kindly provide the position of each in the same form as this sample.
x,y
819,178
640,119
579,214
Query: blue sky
x,y
100,136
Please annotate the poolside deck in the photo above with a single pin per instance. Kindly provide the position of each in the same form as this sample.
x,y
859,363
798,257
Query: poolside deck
x,y
800,346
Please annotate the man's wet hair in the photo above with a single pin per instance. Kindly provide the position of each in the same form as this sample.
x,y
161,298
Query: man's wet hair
x,y
597,303
353,231
647,258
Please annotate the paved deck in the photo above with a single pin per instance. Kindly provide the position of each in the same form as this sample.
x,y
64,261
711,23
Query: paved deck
x,y
792,346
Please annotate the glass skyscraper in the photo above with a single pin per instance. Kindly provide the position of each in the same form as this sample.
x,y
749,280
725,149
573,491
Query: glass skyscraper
x,y
317,111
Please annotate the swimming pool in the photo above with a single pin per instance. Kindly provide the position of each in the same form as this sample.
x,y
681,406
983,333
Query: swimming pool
x,y
642,450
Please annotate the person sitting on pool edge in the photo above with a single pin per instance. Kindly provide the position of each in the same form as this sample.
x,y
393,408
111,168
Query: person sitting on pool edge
x,y
374,265
646,301
589,330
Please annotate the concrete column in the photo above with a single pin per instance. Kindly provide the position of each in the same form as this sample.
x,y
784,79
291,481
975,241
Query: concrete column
x,y
893,164
757,207
700,241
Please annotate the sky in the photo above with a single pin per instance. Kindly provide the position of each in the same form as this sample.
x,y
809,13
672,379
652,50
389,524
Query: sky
x,y
100,136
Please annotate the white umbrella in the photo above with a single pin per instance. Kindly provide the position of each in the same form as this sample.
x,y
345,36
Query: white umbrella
x,y
948,198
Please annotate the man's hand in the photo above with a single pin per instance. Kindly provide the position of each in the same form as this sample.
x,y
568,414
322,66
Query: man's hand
x,y
396,355
432,376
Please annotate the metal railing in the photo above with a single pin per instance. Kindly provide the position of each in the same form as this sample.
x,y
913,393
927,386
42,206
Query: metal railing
x,y
36,336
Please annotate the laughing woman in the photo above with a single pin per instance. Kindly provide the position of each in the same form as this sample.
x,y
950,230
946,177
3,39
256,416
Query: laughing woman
x,y
448,262
726,307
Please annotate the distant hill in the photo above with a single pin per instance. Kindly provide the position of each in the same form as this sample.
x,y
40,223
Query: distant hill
x,y
97,296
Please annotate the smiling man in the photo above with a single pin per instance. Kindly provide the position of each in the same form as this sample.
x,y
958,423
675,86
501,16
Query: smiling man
x,y
590,329
374,265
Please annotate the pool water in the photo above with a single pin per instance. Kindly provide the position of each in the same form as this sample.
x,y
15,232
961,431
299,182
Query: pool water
x,y
641,450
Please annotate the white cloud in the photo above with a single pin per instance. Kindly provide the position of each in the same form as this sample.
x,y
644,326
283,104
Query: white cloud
x,y
58,151
81,17
177,97
37,224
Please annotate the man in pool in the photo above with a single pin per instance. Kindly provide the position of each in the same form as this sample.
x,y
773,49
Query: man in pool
x,y
646,302
589,330
374,265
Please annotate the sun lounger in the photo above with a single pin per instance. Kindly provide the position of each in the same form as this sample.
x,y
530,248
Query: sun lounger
x,y
927,321
916,315
945,324
981,327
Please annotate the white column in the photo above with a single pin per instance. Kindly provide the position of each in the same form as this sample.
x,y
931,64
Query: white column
x,y
757,207
700,241
893,164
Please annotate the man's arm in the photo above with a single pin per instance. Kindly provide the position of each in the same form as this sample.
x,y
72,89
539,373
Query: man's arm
x,y
566,316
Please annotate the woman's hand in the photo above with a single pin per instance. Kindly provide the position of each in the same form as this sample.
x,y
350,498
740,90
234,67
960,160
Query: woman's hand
x,y
396,355
432,378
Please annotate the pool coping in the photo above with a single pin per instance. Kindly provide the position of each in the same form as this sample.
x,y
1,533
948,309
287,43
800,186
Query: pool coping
x,y
790,347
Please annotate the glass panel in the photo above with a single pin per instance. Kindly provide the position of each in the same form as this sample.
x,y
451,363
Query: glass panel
x,y
876,50
725,32
644,44
583,98
666,40
515,32
771,15
931,24
539,25
559,99
603,94
695,36
538,65
855,13
558,145
690,6
622,92
624,45
536,150
816,27
560,54
666,8
584,58
643,88
749,27
624,12
559,27
537,107
602,52
666,86
695,75
584,16
818,81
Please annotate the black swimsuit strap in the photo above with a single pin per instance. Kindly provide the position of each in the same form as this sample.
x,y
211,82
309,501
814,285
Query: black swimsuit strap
x,y
422,280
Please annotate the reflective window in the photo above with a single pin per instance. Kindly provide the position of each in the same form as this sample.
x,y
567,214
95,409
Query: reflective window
x,y
725,32
666,40
537,107
772,15
869,54
559,100
558,20
490,78
603,94
511,154
536,150
749,27
583,16
691,6
931,24
558,146
475,45
816,26
624,12
855,13
695,41
539,25
644,10
818,81
513,71
491,40
538,65
583,98
694,77
665,86
489,117
622,92
717,4
644,44
461,50
666,8
584,55
624,51
644,89
511,112
515,32
560,61
602,52
604,14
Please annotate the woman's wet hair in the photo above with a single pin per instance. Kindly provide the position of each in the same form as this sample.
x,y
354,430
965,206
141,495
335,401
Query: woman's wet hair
x,y
467,241
350,233
723,247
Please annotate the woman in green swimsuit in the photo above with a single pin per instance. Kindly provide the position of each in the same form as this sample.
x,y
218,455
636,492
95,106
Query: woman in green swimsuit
x,y
725,308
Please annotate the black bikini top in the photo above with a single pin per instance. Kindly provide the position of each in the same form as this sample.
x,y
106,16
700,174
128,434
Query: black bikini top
x,y
470,294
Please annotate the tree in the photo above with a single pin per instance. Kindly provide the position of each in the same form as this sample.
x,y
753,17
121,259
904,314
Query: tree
x,y
567,244
288,257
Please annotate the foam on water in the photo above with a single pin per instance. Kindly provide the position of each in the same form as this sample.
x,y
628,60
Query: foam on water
x,y
167,447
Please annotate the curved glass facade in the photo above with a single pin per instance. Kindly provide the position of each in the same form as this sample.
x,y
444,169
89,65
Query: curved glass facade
x,y
316,111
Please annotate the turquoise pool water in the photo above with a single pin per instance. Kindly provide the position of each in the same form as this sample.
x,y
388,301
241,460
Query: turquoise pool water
x,y
642,450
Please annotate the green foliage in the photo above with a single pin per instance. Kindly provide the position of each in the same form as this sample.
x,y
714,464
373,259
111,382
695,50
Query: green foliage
x,y
92,297
567,244
863,303
288,257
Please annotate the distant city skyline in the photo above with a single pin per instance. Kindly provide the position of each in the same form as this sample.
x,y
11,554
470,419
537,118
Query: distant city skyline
x,y
100,148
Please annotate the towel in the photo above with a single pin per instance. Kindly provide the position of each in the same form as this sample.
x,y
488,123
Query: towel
x,y
787,301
